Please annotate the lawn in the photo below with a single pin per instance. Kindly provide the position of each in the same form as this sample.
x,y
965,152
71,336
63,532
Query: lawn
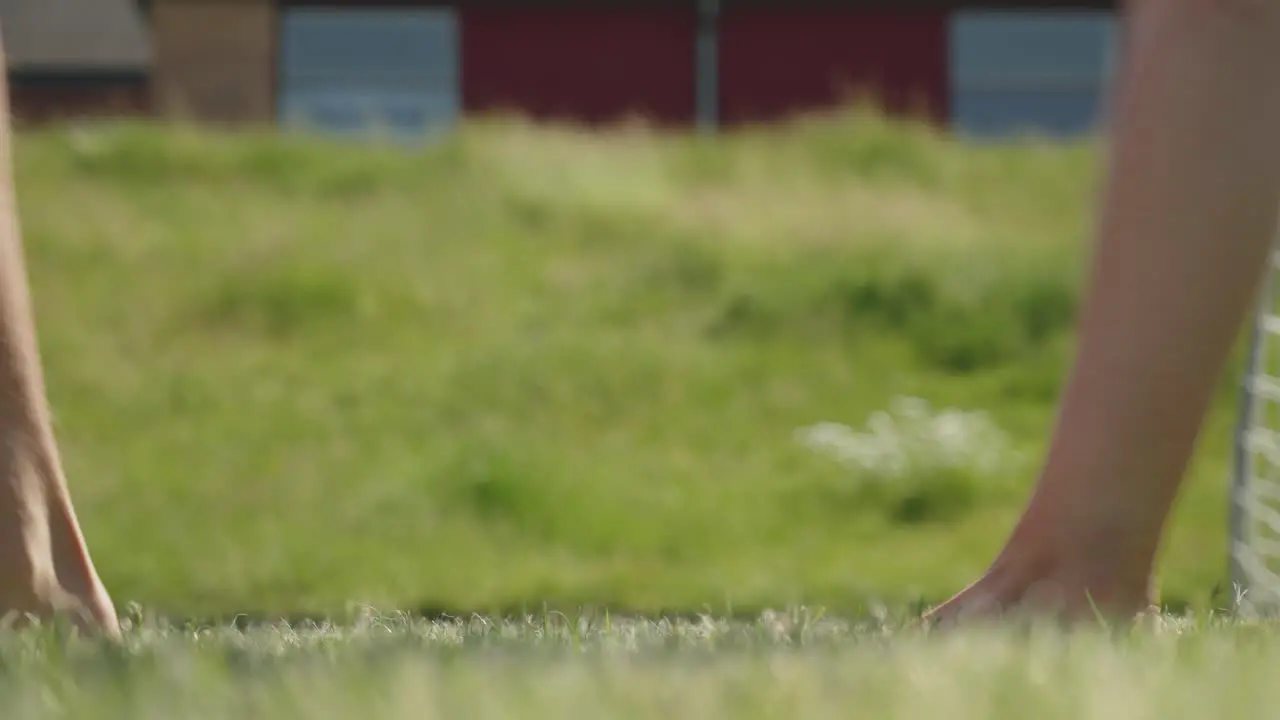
x,y
528,368
789,665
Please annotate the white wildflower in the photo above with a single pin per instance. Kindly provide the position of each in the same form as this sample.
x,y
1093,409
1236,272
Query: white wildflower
x,y
912,440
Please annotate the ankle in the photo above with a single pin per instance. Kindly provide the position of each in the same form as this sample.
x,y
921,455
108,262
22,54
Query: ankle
x,y
1095,520
1114,560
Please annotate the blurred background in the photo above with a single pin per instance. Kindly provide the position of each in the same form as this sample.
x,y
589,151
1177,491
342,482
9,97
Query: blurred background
x,y
413,66
481,306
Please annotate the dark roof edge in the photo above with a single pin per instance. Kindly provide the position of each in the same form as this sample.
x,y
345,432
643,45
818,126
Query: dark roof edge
x,y
76,76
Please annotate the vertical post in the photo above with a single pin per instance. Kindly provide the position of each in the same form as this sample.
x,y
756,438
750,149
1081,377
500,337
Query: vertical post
x,y
707,66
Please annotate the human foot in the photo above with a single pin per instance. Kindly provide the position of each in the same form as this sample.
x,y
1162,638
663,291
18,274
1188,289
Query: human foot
x,y
87,604
1035,578
32,591
45,569
91,607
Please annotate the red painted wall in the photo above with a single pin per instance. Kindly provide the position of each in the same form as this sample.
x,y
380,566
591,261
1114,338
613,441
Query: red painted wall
x,y
587,65
776,62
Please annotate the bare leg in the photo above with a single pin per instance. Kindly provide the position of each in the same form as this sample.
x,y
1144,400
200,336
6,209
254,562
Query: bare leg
x,y
44,563
1186,222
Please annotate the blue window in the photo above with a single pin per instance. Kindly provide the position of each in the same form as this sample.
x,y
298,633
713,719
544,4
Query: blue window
x,y
390,71
1042,72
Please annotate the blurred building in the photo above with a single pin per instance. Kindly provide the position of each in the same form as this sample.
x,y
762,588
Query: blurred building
x,y
986,67
1047,69
72,58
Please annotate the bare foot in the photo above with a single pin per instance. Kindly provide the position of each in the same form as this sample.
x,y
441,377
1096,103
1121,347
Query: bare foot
x,y
90,605
45,569
91,613
1053,580
38,595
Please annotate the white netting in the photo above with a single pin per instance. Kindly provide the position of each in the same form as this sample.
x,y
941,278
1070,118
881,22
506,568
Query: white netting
x,y
1255,491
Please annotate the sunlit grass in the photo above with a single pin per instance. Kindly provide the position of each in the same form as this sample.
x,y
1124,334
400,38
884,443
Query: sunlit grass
x,y
529,365
789,664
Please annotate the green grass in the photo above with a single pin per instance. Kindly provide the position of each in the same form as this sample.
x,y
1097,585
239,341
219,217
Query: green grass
x,y
784,665
538,366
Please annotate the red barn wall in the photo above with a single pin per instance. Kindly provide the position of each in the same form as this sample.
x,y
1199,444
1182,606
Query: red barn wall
x,y
776,62
582,64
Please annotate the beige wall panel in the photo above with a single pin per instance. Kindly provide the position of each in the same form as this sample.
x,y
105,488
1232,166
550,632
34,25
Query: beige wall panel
x,y
214,59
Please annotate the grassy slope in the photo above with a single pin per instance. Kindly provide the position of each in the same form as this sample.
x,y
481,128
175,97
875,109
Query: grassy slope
x,y
535,365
